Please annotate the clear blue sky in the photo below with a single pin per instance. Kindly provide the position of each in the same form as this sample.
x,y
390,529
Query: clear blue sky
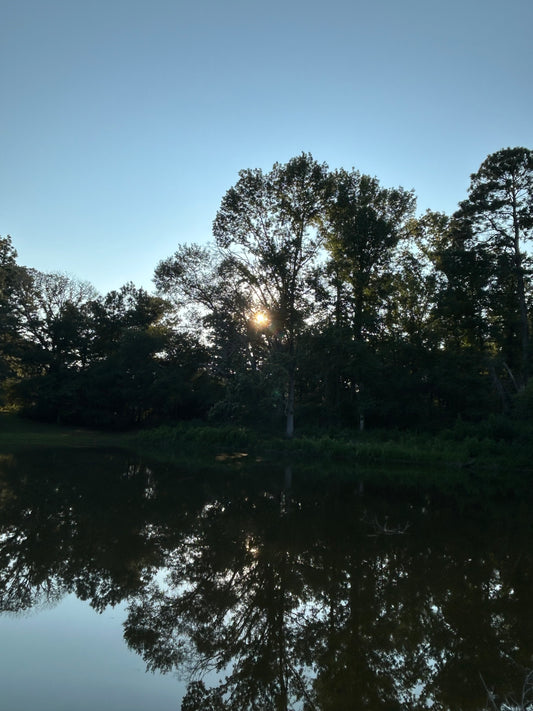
x,y
124,122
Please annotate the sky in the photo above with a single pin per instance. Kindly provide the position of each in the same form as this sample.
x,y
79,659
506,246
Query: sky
x,y
124,122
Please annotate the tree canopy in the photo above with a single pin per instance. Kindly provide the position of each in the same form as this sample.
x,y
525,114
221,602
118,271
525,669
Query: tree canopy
x,y
322,299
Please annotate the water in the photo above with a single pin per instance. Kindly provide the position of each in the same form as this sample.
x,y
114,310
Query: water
x,y
66,657
261,587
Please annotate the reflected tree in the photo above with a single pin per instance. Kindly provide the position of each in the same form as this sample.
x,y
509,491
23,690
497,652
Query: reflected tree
x,y
324,607
300,594
234,603
61,534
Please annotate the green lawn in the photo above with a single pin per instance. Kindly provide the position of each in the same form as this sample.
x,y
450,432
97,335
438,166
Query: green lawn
x,y
18,433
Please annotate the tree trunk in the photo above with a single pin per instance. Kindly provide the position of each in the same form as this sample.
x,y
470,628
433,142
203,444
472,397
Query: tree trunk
x,y
524,326
499,388
290,402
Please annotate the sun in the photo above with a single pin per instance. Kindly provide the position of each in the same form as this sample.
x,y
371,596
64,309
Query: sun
x,y
261,319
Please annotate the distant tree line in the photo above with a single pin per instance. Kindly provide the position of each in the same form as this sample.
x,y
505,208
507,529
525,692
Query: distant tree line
x,y
322,298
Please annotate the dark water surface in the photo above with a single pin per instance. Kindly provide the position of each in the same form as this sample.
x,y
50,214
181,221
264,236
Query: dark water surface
x,y
253,588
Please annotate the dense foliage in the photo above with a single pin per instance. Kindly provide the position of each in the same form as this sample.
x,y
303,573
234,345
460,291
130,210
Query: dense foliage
x,y
322,299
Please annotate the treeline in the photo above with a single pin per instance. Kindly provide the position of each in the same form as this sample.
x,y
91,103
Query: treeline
x,y
323,299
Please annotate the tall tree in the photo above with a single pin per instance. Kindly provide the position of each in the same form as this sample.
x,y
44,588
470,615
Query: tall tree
x,y
364,225
119,311
141,369
461,269
210,301
11,276
500,210
52,316
267,229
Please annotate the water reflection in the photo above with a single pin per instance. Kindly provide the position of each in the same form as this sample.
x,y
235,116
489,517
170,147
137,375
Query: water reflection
x,y
299,592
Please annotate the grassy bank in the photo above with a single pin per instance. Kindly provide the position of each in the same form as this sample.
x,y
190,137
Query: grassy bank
x,y
468,465
487,448
17,433
475,461
183,439
461,447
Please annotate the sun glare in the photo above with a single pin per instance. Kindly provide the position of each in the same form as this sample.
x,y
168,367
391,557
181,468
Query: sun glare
x,y
261,319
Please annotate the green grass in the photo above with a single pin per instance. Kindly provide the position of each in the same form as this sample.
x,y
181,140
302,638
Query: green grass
x,y
452,449
187,439
18,433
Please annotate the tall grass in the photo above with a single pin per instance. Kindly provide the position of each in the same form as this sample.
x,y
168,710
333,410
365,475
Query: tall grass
x,y
189,438
347,447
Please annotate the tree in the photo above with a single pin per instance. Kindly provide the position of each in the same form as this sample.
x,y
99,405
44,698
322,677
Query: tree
x,y
459,315
500,210
127,308
11,277
267,231
190,278
45,328
364,225
140,368
211,303
53,317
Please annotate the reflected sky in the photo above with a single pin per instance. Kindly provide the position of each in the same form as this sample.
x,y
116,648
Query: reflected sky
x,y
68,657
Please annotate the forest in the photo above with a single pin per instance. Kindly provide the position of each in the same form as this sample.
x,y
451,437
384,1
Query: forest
x,y
322,302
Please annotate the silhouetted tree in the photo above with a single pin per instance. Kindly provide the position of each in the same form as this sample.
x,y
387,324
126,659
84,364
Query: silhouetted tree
x,y
499,209
267,229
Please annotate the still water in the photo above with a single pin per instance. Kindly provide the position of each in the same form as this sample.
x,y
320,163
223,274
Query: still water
x,y
128,585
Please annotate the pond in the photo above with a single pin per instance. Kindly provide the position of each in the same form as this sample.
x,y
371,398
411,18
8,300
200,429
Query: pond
x,y
127,584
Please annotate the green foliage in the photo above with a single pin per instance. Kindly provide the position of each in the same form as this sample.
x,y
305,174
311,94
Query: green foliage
x,y
193,439
267,230
109,362
373,318
523,404
499,211
13,280
496,428
252,398
364,225
348,447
